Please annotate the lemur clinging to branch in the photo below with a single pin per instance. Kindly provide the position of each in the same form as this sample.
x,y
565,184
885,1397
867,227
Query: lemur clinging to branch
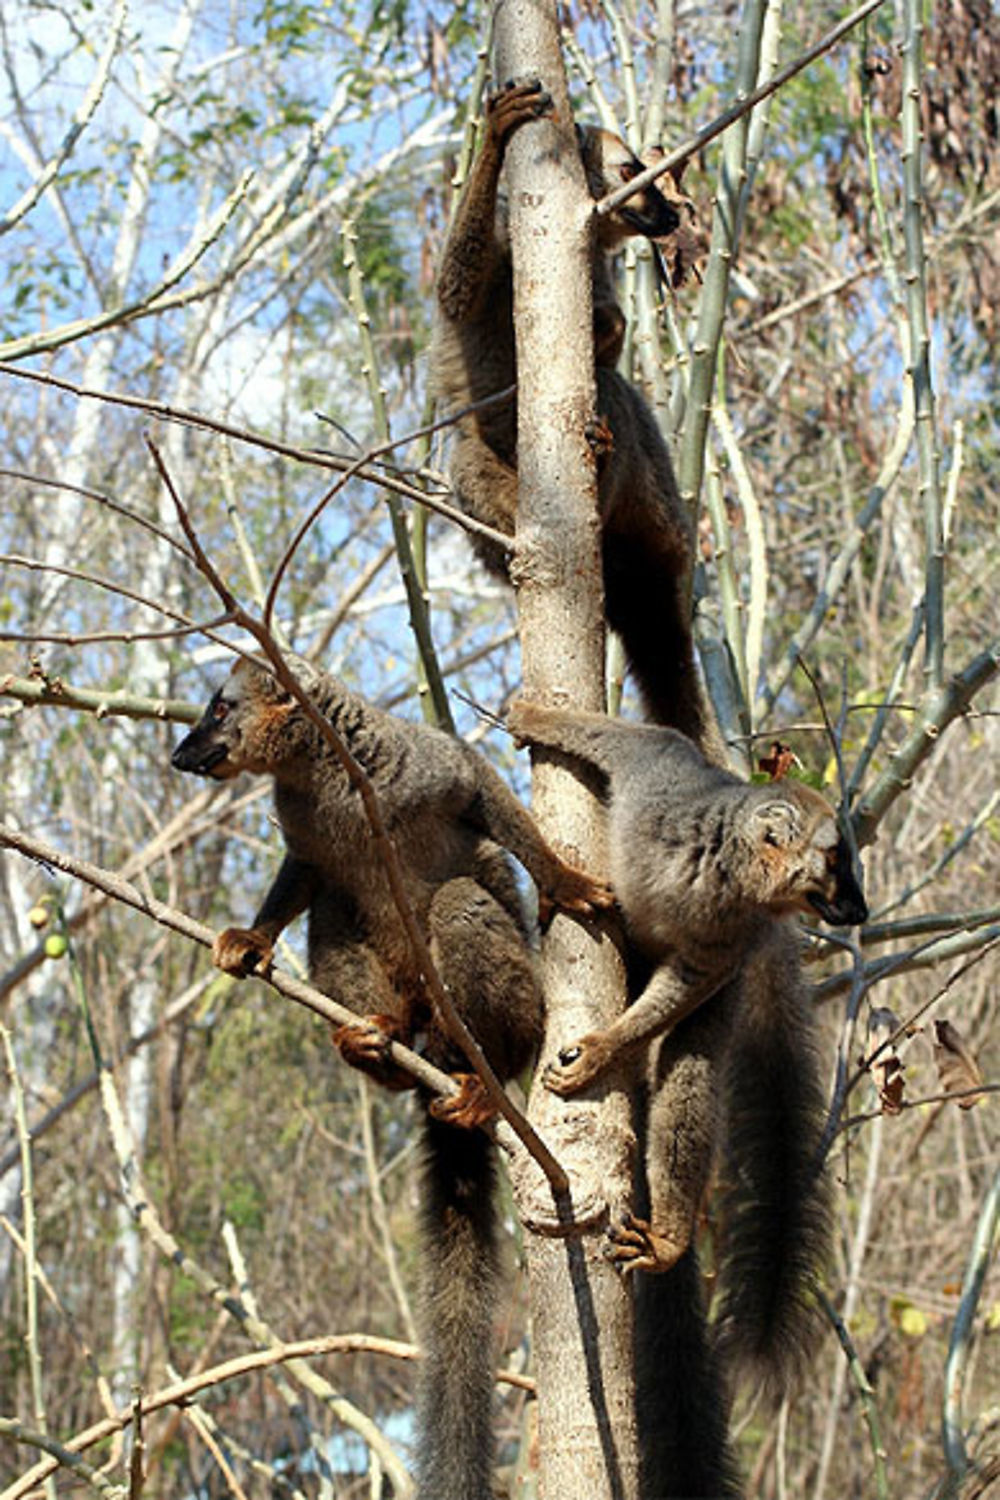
x,y
707,870
647,536
451,818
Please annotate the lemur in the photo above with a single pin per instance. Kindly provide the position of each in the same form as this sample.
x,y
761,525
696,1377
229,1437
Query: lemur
x,y
647,535
707,870
451,818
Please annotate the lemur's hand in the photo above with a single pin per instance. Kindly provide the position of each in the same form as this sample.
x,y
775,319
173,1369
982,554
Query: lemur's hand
x,y
242,951
578,1064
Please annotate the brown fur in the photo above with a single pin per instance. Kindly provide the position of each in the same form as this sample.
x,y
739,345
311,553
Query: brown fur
x,y
648,538
450,817
707,870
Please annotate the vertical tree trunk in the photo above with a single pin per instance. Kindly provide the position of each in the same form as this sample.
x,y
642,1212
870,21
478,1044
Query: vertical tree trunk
x,y
581,1307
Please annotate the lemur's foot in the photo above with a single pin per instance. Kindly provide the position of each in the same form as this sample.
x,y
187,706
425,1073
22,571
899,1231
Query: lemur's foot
x,y
469,1108
576,891
364,1044
601,440
242,951
577,1065
636,1245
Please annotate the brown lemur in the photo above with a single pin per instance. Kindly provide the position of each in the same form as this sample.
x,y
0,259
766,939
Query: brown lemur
x,y
708,869
647,535
451,818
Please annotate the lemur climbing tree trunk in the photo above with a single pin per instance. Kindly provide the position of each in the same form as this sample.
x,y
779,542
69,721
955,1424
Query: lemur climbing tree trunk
x,y
581,1308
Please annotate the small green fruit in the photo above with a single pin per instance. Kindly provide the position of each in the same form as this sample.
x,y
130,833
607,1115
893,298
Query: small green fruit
x,y
55,945
38,916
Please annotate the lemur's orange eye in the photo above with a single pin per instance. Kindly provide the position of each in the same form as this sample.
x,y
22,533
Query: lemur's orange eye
x,y
220,711
627,171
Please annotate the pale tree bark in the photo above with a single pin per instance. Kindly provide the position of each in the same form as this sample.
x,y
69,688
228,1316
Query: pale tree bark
x,y
581,1307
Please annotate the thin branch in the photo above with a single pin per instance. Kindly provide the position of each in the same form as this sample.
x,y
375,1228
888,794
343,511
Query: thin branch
x,y
960,1343
724,244
86,1086
286,1390
905,1027
701,139
435,706
314,457
925,956
955,848
81,119
104,500
941,709
181,1391
154,301
123,891
34,565
865,1391
60,1457
889,702
919,343
31,1341
840,568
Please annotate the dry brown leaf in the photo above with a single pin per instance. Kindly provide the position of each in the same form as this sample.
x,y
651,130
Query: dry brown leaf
x,y
957,1068
886,1069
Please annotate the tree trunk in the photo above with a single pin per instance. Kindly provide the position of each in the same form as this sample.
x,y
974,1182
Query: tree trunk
x,y
581,1307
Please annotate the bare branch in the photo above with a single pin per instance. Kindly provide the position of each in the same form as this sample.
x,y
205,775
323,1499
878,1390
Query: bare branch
x,y
696,143
942,708
311,456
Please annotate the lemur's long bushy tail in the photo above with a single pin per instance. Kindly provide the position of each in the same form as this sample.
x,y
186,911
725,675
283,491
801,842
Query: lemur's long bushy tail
x,y
681,1407
647,604
460,1269
775,1209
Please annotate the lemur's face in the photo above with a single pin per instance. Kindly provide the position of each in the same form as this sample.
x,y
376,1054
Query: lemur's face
x,y
240,730
806,859
609,163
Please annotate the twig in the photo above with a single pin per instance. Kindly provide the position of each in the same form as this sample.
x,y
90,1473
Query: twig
x,y
286,1390
123,891
380,1215
154,301
955,848
725,216
859,1244
312,456
925,956
81,119
701,139
865,1391
35,565
141,1205
919,350
943,706
841,566
127,511
906,1026
86,1353
180,1391
889,701
960,1343
940,921
435,706
31,1342
60,1457
757,608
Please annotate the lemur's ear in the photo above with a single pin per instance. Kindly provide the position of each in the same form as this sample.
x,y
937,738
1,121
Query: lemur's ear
x,y
580,135
775,822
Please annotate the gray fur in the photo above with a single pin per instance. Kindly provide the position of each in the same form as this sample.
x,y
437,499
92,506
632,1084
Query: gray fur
x,y
707,869
647,535
451,818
